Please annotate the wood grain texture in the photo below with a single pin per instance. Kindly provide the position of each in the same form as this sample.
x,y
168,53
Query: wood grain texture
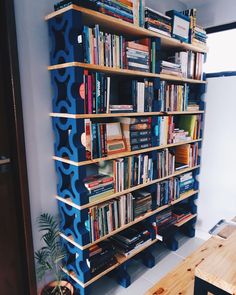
x,y
114,115
179,224
219,269
181,279
119,26
123,72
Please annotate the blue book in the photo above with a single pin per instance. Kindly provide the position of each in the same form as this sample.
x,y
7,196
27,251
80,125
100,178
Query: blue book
x,y
86,44
115,10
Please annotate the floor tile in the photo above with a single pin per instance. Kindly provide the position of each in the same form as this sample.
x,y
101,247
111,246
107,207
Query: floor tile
x,y
162,267
189,246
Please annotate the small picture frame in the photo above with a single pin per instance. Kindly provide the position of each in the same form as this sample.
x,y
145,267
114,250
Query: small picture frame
x,y
180,25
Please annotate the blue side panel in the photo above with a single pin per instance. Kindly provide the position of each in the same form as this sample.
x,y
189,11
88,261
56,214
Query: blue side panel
x,y
69,134
65,33
70,183
68,90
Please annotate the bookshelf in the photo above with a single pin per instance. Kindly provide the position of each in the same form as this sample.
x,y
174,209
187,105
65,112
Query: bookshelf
x,y
176,187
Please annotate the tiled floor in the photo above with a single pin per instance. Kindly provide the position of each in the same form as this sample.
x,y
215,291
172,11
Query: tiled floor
x,y
143,278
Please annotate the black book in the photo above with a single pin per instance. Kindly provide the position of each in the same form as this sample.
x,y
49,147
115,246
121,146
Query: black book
x,y
91,4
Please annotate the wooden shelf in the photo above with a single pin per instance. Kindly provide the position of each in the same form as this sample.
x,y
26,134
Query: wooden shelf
x,y
114,115
137,220
104,69
120,260
126,72
69,202
91,17
121,155
179,224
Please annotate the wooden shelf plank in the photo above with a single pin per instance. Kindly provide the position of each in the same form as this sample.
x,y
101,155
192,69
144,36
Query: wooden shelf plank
x,y
137,220
179,224
69,202
117,71
114,115
91,17
121,155
104,69
120,258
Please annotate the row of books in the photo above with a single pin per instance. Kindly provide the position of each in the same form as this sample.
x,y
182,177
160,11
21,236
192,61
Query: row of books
x,y
132,171
98,98
173,97
186,64
157,22
111,50
187,128
171,189
98,90
130,134
186,156
107,217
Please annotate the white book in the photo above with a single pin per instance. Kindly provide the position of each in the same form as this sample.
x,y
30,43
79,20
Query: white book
x,y
108,93
140,97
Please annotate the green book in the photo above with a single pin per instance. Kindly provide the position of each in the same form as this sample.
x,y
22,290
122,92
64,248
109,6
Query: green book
x,y
188,123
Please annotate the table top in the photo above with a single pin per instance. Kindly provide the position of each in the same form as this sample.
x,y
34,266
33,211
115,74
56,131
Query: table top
x,y
219,268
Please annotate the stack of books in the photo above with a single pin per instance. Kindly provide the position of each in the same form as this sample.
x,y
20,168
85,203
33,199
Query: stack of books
x,y
173,97
199,37
193,106
164,221
99,186
96,92
181,212
165,163
101,257
132,171
107,217
186,182
157,22
186,156
137,132
123,108
171,68
137,55
129,240
122,9
142,202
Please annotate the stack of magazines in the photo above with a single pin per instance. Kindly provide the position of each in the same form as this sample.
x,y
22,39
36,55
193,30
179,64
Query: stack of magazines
x,y
171,68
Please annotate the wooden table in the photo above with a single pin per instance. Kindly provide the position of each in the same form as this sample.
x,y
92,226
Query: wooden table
x,y
217,273
180,281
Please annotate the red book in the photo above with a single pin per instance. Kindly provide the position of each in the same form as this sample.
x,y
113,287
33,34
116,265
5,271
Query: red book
x,y
90,107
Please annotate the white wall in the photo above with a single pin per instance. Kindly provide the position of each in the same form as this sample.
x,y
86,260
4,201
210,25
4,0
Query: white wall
x,y
32,37
217,198
212,13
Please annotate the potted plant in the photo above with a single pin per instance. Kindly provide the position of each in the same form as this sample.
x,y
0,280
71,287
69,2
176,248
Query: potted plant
x,y
49,259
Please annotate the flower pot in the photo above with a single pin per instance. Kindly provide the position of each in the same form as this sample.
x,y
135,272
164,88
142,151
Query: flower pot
x,y
67,288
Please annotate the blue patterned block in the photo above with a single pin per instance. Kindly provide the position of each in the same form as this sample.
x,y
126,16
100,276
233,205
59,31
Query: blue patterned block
x,y
68,90
65,33
73,223
69,134
70,183
77,262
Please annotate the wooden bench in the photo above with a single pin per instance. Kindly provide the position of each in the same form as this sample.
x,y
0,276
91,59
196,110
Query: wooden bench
x,y
180,281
